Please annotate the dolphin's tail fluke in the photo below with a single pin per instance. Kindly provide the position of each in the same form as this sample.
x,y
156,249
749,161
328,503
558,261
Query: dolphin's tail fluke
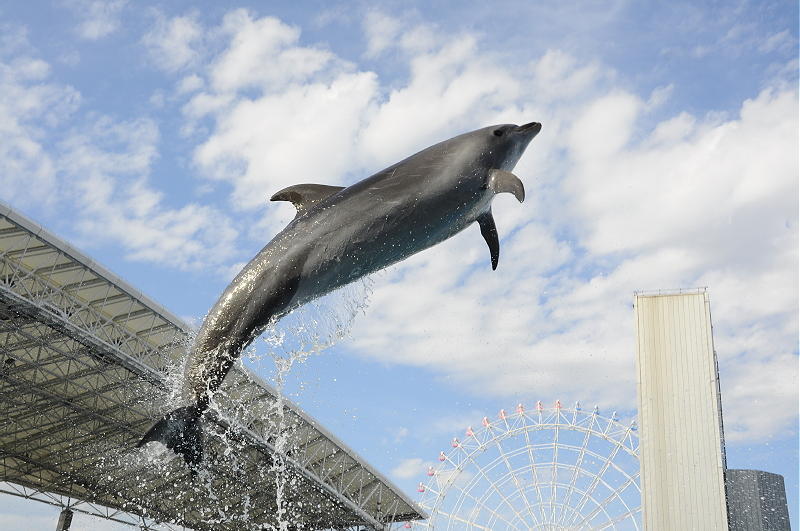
x,y
179,431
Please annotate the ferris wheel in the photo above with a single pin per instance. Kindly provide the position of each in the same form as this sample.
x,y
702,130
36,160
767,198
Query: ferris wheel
x,y
548,468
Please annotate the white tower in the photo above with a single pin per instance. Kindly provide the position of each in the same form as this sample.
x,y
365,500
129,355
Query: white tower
x,y
682,450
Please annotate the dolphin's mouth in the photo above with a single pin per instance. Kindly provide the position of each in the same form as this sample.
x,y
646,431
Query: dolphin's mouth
x,y
531,129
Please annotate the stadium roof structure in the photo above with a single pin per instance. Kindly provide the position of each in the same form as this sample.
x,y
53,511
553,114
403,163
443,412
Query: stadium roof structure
x,y
84,365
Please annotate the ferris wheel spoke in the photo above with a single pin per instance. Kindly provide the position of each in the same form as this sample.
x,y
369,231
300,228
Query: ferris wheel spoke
x,y
516,480
500,481
623,516
568,475
520,492
574,510
596,481
554,472
479,504
494,486
578,464
465,492
457,518
616,493
532,460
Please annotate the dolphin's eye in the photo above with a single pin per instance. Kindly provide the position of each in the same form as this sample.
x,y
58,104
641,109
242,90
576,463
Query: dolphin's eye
x,y
498,132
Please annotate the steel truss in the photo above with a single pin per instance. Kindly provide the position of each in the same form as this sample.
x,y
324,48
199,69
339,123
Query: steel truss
x,y
80,506
84,359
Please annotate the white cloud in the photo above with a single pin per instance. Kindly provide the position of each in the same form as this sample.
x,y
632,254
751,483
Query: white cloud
x,y
13,39
190,83
107,168
302,135
619,198
99,18
781,40
453,424
403,34
27,521
401,433
604,127
296,121
411,468
263,54
173,44
100,170
381,32
755,396
558,75
29,104
317,120
694,202
450,89
692,191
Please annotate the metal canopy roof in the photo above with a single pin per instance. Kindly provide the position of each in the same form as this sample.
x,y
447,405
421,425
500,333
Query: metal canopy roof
x,y
84,359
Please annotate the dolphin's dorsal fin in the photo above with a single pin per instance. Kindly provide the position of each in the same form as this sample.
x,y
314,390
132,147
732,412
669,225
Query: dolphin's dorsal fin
x,y
504,181
303,196
489,232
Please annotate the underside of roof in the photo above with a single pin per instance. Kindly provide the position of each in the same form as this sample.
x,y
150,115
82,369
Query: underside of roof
x,y
85,361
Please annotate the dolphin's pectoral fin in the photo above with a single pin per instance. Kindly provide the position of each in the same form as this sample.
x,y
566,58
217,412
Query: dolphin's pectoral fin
x,y
489,232
504,181
303,196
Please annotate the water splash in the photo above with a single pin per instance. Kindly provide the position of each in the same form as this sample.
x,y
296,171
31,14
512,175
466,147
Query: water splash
x,y
305,332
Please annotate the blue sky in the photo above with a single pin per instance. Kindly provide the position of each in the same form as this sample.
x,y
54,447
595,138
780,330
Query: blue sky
x,y
151,136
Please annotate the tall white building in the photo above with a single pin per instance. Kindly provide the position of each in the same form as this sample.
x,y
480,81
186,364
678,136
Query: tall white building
x,y
682,450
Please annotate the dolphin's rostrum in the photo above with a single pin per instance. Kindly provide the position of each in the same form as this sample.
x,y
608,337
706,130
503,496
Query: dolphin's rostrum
x,y
339,235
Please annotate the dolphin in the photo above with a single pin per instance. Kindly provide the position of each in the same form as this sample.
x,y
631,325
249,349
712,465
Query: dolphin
x,y
339,235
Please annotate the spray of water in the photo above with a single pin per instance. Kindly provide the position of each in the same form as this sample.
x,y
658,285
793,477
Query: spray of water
x,y
306,331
